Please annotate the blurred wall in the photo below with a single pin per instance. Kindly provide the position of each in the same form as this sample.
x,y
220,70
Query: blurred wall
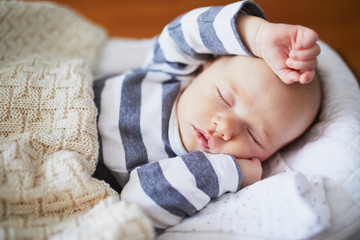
x,y
337,22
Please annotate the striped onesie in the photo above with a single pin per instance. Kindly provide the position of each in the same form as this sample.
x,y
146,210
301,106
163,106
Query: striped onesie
x,y
139,137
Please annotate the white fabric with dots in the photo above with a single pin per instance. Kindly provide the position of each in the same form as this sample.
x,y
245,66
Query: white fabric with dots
x,y
283,206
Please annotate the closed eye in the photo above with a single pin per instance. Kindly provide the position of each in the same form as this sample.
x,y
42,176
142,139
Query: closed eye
x,y
222,100
253,137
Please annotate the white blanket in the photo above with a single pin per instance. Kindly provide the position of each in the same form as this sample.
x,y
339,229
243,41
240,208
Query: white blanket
x,y
310,190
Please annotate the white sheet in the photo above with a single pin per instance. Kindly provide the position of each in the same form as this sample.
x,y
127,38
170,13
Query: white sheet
x,y
311,190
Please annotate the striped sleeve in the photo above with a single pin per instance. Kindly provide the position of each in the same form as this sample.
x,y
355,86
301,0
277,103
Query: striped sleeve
x,y
174,188
198,35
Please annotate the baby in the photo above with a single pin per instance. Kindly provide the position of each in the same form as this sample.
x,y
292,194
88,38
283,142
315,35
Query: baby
x,y
243,109
200,116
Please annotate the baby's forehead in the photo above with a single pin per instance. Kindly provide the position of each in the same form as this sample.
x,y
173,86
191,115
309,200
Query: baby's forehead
x,y
246,67
250,73
252,76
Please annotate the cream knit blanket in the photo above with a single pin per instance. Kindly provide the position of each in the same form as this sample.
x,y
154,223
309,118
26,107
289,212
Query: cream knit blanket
x,y
48,135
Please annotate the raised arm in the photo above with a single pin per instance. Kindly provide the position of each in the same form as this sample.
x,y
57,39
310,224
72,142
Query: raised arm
x,y
290,50
187,42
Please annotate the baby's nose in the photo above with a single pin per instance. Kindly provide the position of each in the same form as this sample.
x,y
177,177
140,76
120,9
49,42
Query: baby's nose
x,y
225,128
226,137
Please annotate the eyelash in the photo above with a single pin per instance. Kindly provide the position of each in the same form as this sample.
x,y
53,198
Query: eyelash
x,y
225,103
253,137
222,99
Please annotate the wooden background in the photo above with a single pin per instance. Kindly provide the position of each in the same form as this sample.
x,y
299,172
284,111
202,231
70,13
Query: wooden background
x,y
337,22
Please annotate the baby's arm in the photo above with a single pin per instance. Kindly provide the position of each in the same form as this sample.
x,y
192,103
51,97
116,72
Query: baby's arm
x,y
174,188
192,39
290,50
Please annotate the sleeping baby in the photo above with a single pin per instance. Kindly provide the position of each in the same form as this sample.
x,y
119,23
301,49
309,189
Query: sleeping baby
x,y
221,91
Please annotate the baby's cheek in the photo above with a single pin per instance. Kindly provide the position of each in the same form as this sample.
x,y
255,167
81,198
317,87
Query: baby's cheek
x,y
239,150
266,154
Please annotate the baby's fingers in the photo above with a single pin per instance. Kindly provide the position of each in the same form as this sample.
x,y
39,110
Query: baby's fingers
x,y
306,54
289,76
305,38
307,77
302,65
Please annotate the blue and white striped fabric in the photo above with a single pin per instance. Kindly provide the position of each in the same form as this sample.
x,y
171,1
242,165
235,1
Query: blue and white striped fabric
x,y
139,137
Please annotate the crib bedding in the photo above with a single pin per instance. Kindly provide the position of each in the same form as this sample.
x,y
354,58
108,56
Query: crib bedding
x,y
310,190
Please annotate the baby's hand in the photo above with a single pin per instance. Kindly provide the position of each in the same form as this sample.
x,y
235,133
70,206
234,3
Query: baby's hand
x,y
251,171
290,50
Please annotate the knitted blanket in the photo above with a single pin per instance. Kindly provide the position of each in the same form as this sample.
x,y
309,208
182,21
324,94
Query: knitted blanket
x,y
48,134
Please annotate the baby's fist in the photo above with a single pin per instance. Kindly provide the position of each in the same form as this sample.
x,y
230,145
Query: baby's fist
x,y
291,51
251,171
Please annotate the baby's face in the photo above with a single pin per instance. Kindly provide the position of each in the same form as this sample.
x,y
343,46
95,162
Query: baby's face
x,y
237,106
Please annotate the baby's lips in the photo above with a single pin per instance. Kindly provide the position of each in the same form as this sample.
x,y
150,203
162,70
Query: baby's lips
x,y
203,138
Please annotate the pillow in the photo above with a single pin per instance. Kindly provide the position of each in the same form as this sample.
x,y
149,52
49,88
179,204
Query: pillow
x,y
331,149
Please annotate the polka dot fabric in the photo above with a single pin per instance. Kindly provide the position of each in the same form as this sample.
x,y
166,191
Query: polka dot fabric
x,y
279,207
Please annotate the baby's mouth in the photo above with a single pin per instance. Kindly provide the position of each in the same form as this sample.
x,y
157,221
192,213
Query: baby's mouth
x,y
204,139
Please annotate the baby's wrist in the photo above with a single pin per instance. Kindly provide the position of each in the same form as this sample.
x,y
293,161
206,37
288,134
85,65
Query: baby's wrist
x,y
250,29
258,40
